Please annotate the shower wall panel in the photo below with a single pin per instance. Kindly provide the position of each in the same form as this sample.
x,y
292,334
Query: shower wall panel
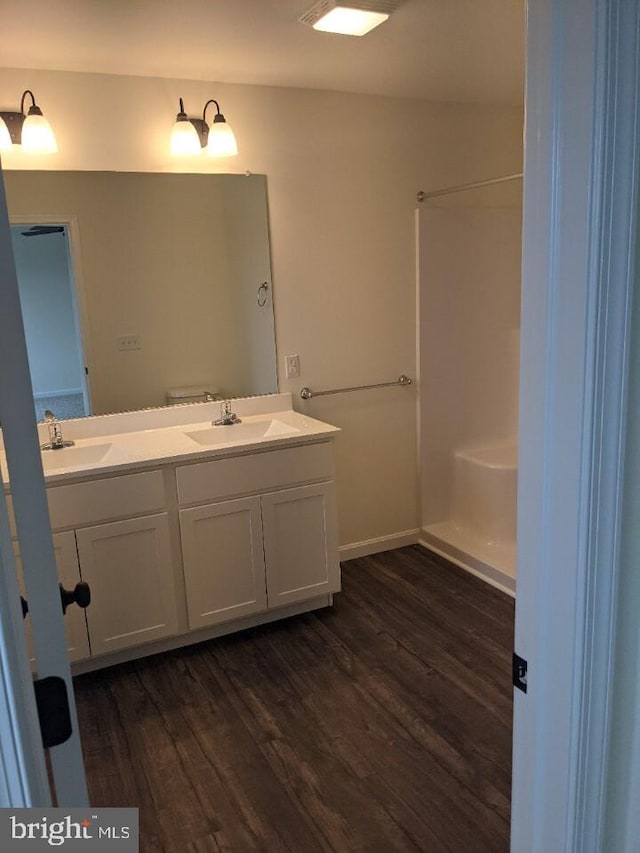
x,y
469,315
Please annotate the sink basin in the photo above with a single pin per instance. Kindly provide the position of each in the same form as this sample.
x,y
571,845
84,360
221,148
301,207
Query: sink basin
x,y
75,457
240,433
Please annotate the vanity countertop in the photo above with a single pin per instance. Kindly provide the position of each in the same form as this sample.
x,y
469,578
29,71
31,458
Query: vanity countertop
x,y
139,440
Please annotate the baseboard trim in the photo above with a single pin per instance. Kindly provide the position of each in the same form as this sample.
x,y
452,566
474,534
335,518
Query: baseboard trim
x,y
63,392
379,544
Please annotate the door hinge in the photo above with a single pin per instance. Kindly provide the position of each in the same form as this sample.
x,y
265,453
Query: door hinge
x,y
53,710
519,667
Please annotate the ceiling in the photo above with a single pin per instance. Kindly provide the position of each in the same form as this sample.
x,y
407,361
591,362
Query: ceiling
x,y
442,50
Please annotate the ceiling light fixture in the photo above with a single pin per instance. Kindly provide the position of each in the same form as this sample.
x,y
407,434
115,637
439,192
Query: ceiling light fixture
x,y
190,135
348,17
32,131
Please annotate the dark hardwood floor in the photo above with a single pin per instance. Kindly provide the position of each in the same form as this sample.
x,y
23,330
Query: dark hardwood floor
x,y
382,724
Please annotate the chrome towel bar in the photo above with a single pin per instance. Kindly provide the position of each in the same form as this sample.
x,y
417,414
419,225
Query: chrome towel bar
x,y
307,393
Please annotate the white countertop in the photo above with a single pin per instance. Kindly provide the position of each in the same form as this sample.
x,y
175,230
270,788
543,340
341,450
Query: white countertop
x,y
138,440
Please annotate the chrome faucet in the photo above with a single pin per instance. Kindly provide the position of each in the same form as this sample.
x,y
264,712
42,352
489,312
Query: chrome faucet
x,y
227,417
56,442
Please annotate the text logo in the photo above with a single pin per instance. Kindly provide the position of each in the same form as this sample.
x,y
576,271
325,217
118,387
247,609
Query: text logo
x,y
72,829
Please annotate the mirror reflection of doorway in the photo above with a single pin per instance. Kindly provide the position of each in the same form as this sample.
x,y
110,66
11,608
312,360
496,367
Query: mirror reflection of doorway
x,y
51,321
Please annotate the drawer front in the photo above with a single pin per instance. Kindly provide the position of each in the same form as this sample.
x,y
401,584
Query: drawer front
x,y
258,472
80,504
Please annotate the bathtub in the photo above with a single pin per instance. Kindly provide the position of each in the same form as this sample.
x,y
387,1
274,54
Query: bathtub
x,y
485,492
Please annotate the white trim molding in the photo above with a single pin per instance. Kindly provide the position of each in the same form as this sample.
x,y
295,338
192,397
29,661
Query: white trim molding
x,y
379,544
614,263
619,827
62,392
580,198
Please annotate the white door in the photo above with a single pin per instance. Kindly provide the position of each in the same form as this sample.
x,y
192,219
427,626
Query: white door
x,y
223,561
23,781
129,569
31,512
579,264
75,620
299,543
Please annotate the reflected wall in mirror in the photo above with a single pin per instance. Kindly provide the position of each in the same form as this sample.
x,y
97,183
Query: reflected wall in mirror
x,y
176,261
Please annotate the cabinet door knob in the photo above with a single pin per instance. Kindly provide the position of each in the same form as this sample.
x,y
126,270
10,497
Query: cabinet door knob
x,y
80,595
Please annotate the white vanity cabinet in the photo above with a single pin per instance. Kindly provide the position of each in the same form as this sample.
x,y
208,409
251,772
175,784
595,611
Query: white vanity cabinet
x,y
199,544
263,551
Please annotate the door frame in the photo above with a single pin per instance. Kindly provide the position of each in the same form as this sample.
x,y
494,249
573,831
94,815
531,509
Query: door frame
x,y
579,252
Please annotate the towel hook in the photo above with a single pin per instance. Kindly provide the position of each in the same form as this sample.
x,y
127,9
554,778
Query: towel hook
x,y
263,293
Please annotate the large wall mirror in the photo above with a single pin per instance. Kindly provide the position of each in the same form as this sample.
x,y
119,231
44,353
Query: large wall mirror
x,y
150,281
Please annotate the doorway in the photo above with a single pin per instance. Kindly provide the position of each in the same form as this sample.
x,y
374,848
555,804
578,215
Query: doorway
x,y
53,331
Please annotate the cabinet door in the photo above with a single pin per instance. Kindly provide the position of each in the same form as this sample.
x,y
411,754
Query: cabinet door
x,y
223,561
129,568
68,574
300,543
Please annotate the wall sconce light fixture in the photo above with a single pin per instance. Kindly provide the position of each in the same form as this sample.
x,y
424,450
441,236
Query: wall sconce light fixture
x,y
191,135
32,131
348,17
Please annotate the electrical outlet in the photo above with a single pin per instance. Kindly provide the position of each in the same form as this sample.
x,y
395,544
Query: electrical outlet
x,y
292,366
127,342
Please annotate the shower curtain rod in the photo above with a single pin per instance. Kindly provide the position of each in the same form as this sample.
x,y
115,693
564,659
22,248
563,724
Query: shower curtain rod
x,y
422,196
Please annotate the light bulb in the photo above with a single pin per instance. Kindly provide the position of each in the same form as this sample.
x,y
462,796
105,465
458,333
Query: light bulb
x,y
222,142
37,135
184,139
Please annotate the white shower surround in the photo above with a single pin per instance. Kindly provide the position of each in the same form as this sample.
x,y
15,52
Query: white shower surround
x,y
485,491
480,533
469,341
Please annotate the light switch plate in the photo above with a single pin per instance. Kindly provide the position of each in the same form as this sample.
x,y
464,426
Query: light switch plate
x,y
127,342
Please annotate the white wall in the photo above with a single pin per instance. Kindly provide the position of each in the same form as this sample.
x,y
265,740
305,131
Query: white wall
x,y
343,171
47,311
